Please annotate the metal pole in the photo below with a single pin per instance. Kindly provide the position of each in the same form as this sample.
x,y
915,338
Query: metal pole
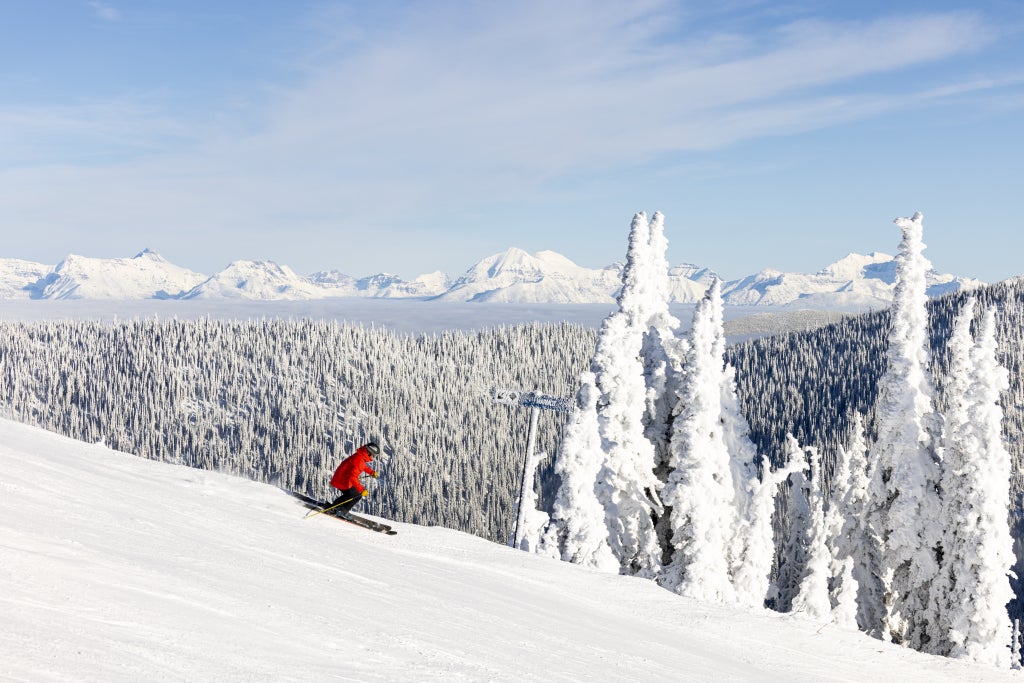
x,y
527,478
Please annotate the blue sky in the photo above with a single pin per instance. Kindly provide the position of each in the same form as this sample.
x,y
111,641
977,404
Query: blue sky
x,y
420,136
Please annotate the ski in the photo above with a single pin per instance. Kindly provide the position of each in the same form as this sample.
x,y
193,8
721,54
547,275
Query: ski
x,y
366,523
315,507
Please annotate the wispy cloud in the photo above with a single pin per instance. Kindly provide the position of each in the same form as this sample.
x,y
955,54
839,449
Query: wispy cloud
x,y
105,11
567,87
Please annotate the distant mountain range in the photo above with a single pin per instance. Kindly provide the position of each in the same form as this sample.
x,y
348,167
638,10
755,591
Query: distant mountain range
x,y
854,282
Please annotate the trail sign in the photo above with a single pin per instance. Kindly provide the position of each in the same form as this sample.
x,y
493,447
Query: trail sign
x,y
536,402
532,399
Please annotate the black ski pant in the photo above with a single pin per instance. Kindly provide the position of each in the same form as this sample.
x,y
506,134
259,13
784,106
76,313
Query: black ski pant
x,y
347,500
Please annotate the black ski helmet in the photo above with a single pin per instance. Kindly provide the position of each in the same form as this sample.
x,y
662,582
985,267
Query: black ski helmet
x,y
373,448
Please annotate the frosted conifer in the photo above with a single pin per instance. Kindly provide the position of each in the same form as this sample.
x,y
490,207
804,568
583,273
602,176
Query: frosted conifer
x,y
663,352
978,549
844,596
578,532
904,507
626,486
812,598
849,537
699,490
753,567
956,440
795,545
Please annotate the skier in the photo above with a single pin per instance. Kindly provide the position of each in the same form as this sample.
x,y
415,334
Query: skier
x,y
346,478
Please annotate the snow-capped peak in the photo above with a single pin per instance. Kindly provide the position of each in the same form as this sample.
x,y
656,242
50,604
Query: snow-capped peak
x,y
147,275
148,253
853,266
513,261
549,277
255,280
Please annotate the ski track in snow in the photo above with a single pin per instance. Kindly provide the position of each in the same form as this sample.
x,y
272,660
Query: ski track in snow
x,y
116,568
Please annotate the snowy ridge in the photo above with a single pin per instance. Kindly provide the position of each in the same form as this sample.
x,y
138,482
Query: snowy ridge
x,y
254,280
146,275
855,282
17,277
120,568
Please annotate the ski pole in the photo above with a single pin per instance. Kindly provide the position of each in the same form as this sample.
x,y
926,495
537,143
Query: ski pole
x,y
328,509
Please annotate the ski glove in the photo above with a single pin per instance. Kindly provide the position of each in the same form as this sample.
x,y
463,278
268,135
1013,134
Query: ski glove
x,y
374,475
365,494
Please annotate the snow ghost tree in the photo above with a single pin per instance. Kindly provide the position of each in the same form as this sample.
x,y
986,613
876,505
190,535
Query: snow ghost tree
x,y
663,352
624,482
956,440
904,504
796,538
754,543
848,537
700,489
812,598
973,587
626,485
719,512
577,532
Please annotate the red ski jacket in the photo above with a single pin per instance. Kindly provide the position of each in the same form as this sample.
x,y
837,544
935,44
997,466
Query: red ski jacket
x,y
347,474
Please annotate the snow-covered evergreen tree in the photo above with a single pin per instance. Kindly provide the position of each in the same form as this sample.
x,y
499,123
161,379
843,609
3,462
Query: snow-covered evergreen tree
x,y
578,531
663,355
627,487
752,546
854,588
700,489
755,535
971,596
812,598
663,351
956,440
844,595
795,543
904,507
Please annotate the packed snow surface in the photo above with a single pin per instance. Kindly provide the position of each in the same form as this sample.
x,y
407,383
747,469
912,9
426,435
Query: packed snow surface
x,y
116,568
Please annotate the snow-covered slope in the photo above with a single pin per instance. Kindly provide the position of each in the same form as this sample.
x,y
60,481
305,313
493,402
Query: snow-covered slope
x,y
688,283
146,275
116,568
382,285
269,281
18,277
387,286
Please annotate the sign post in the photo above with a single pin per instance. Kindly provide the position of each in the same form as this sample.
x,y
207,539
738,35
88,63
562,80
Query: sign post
x,y
536,402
